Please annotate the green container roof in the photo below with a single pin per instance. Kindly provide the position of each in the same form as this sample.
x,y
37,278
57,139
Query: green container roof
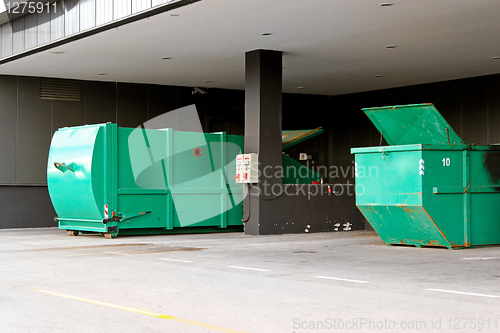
x,y
412,124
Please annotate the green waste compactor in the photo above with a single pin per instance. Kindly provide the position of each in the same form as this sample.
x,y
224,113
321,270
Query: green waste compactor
x,y
109,180
428,187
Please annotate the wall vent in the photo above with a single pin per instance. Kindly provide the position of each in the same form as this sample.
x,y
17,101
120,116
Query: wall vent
x,y
60,89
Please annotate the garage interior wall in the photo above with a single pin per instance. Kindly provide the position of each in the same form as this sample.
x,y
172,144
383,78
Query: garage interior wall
x,y
471,106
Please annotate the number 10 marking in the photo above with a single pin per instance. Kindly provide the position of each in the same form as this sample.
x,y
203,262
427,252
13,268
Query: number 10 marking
x,y
446,161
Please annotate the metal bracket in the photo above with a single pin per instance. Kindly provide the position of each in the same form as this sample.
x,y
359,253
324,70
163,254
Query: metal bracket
x,y
112,229
113,219
119,217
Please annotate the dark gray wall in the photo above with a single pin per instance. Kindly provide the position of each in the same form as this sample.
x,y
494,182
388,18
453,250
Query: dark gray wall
x,y
8,129
26,207
471,106
27,124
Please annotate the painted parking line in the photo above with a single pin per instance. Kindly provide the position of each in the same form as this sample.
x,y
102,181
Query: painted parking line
x,y
340,279
118,253
481,258
250,269
176,260
9,284
462,293
126,308
143,312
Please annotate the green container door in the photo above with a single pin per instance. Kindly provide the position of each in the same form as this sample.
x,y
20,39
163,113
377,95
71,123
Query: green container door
x,y
75,176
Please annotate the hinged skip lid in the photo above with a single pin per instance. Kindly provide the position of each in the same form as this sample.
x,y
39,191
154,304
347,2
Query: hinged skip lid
x,y
412,124
291,138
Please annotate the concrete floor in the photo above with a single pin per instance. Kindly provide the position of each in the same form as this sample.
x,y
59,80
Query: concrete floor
x,y
343,282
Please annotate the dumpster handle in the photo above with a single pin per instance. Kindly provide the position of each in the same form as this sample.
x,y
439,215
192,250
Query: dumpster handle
x,y
63,167
122,217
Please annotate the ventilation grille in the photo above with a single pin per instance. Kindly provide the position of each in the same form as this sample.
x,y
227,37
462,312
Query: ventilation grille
x,y
60,90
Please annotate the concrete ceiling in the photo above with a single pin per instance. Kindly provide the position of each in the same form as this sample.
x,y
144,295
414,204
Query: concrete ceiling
x,y
330,47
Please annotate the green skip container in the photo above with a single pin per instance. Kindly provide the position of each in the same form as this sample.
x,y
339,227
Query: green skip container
x,y
428,187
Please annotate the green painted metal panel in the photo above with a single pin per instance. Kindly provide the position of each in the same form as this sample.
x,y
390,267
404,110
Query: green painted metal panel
x,y
484,196
485,226
373,170
407,225
412,124
197,209
141,154
192,171
82,225
156,204
446,210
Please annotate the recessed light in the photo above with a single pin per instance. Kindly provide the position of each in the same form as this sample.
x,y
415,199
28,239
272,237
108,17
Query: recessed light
x,y
390,46
166,58
267,34
300,87
174,15
101,73
386,4
496,58
207,81
58,52
379,75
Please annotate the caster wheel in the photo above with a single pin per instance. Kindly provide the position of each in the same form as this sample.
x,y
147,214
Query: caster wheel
x,y
73,232
108,235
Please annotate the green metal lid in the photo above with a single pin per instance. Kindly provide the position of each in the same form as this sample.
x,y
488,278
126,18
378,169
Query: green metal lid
x,y
412,124
291,138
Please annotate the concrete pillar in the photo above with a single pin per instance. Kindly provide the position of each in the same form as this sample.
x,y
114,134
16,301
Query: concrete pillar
x,y
263,92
